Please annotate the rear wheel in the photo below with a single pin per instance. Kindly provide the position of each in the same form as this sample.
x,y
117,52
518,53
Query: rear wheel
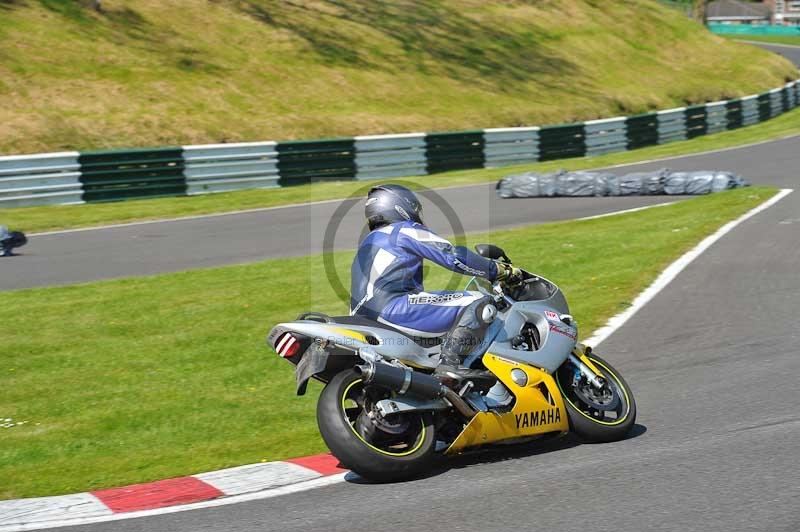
x,y
382,449
597,415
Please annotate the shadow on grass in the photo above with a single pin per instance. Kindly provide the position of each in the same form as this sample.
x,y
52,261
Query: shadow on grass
x,y
8,5
504,453
432,35
108,22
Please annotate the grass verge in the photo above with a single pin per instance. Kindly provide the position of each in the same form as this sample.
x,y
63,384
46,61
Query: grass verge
x,y
48,218
140,379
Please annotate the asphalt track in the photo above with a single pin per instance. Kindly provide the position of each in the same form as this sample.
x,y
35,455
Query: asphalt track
x,y
790,52
713,363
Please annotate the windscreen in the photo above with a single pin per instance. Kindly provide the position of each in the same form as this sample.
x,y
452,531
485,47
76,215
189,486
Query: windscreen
x,y
534,289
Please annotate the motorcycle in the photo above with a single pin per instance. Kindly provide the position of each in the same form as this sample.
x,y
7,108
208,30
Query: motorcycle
x,y
387,416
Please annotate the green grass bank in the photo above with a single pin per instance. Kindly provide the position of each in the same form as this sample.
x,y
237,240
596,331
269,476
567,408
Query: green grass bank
x,y
152,73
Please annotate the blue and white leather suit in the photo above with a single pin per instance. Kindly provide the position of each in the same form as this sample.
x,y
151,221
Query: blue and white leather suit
x,y
387,279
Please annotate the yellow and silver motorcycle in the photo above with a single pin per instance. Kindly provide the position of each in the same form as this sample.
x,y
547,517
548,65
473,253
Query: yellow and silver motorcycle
x,y
385,414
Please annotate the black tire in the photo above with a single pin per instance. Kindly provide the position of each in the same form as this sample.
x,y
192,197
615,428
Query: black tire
x,y
588,424
361,457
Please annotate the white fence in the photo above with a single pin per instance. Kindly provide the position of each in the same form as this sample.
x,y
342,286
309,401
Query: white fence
x,y
223,167
379,156
606,136
671,125
510,145
749,110
45,179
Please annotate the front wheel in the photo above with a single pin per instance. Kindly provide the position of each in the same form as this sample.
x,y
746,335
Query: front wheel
x,y
597,415
382,449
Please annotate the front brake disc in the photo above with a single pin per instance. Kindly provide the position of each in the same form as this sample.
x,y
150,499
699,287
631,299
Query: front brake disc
x,y
604,399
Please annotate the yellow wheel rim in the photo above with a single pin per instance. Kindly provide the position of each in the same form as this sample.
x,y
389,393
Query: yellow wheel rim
x,y
415,448
619,386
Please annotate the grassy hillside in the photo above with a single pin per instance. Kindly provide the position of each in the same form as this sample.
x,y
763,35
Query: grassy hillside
x,y
153,72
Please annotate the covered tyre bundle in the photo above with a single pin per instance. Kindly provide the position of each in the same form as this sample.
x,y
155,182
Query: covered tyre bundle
x,y
576,184
559,183
10,240
702,182
675,183
583,183
638,184
527,185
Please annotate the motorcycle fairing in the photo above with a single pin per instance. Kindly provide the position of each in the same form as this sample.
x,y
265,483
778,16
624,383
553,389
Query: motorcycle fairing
x,y
538,409
389,343
340,344
316,360
345,337
556,337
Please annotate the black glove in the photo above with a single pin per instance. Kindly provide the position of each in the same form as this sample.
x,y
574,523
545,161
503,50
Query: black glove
x,y
508,274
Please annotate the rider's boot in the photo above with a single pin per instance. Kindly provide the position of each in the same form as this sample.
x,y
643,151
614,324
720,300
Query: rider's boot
x,y
466,334
451,367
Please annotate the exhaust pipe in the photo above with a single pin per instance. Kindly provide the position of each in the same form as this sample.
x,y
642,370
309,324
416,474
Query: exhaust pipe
x,y
414,383
459,404
401,380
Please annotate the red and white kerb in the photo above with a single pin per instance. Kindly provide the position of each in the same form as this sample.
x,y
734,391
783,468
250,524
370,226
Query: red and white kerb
x,y
287,346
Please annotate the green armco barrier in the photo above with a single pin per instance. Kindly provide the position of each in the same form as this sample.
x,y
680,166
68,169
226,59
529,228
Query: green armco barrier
x,y
561,142
764,111
129,174
753,29
642,130
454,151
300,162
696,121
734,108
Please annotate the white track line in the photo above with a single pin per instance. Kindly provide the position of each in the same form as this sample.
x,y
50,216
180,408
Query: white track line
x,y
624,211
483,184
275,492
182,218
675,268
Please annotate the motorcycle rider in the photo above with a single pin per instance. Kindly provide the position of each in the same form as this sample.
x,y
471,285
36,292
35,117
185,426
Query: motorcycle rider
x,y
10,240
386,278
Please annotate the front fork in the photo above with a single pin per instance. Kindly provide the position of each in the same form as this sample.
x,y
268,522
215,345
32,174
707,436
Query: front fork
x,y
585,367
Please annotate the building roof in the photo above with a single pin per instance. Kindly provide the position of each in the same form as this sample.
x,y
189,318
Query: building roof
x,y
737,10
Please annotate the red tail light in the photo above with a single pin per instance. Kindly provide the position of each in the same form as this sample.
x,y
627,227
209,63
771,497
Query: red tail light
x,y
287,346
